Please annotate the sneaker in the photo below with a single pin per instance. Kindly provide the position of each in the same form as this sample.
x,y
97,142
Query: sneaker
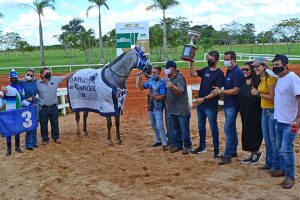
x,y
157,144
45,142
247,160
171,146
264,167
186,151
36,146
217,155
225,161
199,150
176,149
29,148
57,141
276,173
234,155
165,148
256,158
288,183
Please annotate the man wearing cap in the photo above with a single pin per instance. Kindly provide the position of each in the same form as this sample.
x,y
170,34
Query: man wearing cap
x,y
233,80
47,91
14,97
287,112
178,107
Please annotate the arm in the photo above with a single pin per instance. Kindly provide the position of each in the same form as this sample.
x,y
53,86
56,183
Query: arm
x,y
174,88
66,76
298,114
193,71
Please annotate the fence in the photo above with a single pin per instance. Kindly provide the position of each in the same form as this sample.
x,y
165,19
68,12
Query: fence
x,y
61,95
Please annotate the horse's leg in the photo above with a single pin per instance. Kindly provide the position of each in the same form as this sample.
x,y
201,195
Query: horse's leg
x,y
85,115
77,118
109,125
117,121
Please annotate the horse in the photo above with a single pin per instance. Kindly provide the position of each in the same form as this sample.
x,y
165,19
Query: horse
x,y
116,74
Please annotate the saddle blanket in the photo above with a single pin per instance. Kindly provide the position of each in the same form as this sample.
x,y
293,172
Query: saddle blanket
x,y
89,90
18,121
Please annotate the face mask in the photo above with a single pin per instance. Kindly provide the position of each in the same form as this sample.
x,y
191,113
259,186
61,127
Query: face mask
x,y
14,81
278,70
248,77
48,75
167,72
227,63
154,76
211,63
28,78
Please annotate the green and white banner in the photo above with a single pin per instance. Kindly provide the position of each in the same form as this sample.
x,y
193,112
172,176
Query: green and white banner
x,y
131,34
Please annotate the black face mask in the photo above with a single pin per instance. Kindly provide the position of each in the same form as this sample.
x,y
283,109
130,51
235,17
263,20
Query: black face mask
x,y
211,63
14,81
278,70
249,77
48,75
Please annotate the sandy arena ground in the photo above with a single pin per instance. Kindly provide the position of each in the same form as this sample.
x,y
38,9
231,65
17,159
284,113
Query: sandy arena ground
x,y
86,168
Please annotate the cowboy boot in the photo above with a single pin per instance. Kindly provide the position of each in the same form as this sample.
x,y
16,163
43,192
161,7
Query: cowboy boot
x,y
8,150
18,149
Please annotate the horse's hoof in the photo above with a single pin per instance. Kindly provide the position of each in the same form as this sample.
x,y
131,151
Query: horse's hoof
x,y
120,142
110,143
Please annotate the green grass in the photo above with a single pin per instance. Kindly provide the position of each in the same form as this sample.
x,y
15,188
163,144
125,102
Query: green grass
x,y
59,57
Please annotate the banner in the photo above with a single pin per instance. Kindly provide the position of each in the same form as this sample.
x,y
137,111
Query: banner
x,y
132,34
18,121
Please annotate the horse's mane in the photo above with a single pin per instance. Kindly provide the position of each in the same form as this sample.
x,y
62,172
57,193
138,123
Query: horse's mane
x,y
118,58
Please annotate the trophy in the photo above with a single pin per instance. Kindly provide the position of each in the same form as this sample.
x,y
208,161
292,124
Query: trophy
x,y
189,50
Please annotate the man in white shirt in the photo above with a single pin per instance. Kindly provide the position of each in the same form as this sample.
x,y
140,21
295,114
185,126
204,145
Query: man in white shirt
x,y
287,111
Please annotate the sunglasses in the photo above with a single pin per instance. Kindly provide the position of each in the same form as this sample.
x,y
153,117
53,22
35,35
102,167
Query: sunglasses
x,y
245,69
29,75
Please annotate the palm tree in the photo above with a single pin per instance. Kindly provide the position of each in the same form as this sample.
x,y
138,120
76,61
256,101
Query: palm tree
x,y
163,5
98,4
38,6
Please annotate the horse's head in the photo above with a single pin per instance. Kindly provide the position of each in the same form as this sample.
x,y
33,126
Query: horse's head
x,y
143,62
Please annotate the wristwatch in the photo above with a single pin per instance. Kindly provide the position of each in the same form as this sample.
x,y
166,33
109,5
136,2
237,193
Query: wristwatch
x,y
205,99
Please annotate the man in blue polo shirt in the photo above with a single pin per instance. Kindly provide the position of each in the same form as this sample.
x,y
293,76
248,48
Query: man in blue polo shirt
x,y
211,76
232,83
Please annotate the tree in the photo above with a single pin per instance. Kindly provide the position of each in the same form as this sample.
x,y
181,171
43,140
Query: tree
x,y
9,41
163,5
98,5
233,30
265,37
248,31
25,49
38,6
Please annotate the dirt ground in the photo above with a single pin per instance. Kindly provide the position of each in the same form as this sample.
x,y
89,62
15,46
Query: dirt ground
x,y
86,168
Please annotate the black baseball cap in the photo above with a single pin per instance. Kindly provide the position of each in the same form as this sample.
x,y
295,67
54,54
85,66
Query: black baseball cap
x,y
170,63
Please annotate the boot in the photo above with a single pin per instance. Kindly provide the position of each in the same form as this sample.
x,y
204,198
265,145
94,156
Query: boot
x,y
8,150
18,149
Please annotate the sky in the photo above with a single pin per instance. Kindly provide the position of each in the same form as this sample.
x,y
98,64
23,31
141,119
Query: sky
x,y
23,20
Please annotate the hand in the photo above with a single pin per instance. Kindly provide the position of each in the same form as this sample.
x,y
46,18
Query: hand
x,y
254,91
30,99
169,84
139,74
5,91
298,121
199,101
216,91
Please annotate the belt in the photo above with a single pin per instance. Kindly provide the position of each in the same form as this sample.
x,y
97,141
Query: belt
x,y
45,106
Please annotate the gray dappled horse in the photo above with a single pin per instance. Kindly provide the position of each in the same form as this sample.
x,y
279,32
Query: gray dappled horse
x,y
117,73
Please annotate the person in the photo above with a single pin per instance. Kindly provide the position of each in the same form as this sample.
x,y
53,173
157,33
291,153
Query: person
x,y
14,97
47,92
207,102
265,91
232,83
287,113
250,112
178,107
29,85
156,94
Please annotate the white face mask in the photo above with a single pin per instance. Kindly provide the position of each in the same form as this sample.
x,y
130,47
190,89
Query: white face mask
x,y
227,63
28,78
167,72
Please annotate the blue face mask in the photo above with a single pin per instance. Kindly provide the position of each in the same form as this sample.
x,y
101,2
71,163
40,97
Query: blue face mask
x,y
154,76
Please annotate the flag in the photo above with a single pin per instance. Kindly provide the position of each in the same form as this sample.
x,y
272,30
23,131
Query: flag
x,y
18,121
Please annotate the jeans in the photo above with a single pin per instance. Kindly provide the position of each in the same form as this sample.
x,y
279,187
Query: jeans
x,y
31,139
211,114
168,122
181,131
268,129
230,131
45,114
285,144
8,138
156,118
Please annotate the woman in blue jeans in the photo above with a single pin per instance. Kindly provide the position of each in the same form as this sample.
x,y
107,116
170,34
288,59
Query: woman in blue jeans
x,y
266,92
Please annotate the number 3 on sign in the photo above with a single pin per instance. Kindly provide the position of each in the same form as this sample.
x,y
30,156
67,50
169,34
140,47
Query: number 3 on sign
x,y
27,116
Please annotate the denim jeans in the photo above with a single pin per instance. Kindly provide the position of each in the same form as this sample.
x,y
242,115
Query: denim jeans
x,y
285,144
45,114
31,139
181,130
168,122
211,114
230,131
268,129
157,122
